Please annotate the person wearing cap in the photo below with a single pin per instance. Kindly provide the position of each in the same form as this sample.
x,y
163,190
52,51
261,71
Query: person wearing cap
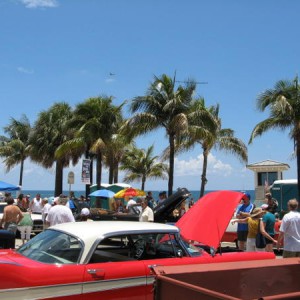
x,y
253,222
289,231
243,212
267,227
84,215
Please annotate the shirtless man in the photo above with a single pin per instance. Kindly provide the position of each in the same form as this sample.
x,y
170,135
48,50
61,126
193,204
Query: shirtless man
x,y
12,215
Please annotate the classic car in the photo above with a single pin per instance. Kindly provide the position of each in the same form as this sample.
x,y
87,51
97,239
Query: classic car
x,y
163,212
112,260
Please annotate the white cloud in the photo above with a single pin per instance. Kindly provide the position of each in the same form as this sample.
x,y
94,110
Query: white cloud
x,y
26,71
39,3
193,166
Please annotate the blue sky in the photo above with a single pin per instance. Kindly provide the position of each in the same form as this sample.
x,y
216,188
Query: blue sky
x,y
65,50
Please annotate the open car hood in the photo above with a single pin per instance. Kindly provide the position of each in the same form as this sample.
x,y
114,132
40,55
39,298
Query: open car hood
x,y
207,220
163,211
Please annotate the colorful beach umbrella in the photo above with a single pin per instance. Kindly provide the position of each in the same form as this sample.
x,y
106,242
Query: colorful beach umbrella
x,y
102,193
129,192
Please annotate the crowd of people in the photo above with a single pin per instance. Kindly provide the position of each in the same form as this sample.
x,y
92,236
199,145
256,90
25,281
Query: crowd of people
x,y
253,220
17,215
250,219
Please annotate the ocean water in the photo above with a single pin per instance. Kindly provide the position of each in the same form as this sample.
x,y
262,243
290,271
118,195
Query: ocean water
x,y
50,193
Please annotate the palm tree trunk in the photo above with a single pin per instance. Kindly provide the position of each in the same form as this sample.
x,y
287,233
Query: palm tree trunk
x,y
204,170
21,173
58,178
171,164
111,172
143,183
87,186
298,160
116,173
99,170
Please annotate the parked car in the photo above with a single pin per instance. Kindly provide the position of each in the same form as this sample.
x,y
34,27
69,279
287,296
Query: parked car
x,y
112,260
163,212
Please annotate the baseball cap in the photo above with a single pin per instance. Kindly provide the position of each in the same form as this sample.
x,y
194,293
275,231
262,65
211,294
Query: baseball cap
x,y
85,211
247,195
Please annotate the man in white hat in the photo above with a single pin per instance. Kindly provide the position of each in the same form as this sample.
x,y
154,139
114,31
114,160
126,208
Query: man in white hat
x,y
84,214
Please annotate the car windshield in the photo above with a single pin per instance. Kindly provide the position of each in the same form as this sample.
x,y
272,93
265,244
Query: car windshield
x,y
53,247
191,248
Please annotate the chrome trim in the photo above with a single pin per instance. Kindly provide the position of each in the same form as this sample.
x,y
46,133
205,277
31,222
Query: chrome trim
x,y
64,290
10,263
105,285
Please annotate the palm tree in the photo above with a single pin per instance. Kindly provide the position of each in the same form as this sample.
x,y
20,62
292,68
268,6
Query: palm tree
x,y
115,149
283,102
162,106
205,128
49,132
141,165
15,147
94,122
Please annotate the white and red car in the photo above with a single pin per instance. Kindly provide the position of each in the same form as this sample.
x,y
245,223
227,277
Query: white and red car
x,y
113,259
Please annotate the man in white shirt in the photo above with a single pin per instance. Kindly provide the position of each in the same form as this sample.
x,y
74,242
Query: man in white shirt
x,y
289,231
146,215
59,213
45,210
36,204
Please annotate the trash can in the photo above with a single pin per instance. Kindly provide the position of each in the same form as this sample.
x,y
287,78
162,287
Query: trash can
x,y
7,239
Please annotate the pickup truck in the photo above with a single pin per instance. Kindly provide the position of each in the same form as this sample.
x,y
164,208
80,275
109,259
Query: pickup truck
x,y
256,279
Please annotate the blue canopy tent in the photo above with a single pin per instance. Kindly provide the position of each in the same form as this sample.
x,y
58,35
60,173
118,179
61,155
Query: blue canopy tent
x,y
8,187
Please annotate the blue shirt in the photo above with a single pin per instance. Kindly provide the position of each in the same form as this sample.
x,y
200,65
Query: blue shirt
x,y
247,208
71,204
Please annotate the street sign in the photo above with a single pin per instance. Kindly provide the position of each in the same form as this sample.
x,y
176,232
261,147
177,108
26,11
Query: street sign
x,y
71,177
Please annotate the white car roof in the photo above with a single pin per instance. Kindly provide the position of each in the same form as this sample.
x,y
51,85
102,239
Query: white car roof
x,y
88,232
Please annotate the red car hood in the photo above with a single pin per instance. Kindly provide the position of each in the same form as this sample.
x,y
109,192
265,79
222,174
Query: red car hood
x,y
207,220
